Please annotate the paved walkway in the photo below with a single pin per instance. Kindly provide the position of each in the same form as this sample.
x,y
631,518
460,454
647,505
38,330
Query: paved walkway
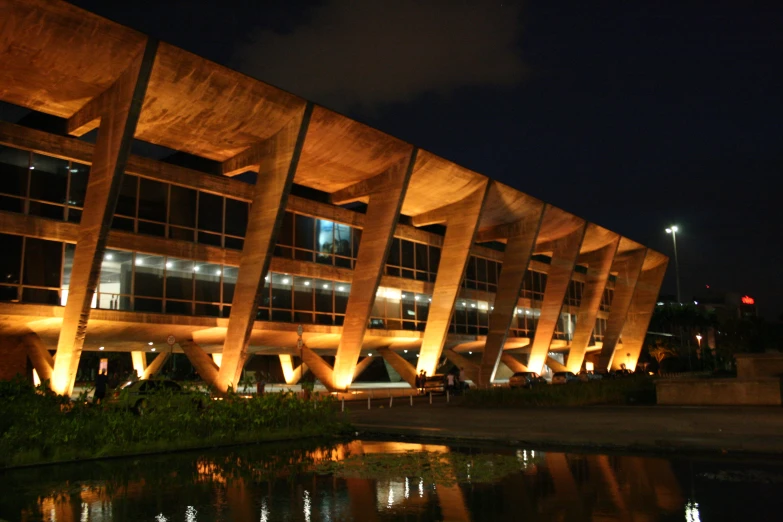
x,y
645,428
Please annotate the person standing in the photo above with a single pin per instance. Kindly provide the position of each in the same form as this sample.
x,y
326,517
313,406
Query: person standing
x,y
450,381
100,387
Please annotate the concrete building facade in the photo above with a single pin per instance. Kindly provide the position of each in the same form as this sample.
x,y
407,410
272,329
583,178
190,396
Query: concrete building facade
x,y
336,231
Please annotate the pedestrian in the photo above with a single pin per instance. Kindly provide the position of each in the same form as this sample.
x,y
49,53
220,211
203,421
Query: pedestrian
x,y
100,387
260,383
423,382
450,381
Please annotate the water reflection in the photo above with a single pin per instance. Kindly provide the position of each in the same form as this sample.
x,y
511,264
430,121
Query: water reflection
x,y
270,483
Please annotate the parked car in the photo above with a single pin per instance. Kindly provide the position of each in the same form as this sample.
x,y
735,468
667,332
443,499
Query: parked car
x,y
142,395
586,376
525,380
564,378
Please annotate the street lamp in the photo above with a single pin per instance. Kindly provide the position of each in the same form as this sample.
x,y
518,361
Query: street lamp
x,y
673,231
698,339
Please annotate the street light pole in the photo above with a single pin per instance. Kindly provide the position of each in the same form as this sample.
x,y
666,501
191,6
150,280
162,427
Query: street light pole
x,y
673,231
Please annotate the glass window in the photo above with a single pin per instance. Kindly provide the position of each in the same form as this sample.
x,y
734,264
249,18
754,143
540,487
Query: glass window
x,y
11,260
286,234
324,233
40,296
126,203
421,257
152,229
341,292
144,304
342,240
323,295
14,169
236,217
281,292
49,179
394,253
408,312
230,274
208,277
422,307
78,190
42,262
11,204
303,294
210,212
67,269
408,257
305,232
357,239
434,259
153,200
115,280
149,276
183,208
179,279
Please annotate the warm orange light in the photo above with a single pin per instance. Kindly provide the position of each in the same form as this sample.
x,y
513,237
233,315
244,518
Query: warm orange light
x,y
748,300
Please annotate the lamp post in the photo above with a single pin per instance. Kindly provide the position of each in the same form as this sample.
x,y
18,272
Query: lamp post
x,y
673,231
698,339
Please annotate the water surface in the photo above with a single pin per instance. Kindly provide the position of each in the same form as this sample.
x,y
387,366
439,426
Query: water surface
x,y
276,483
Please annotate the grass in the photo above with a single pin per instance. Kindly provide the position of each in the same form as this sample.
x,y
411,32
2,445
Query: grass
x,y
38,427
634,390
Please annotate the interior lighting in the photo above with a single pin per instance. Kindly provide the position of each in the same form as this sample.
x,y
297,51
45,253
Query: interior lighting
x,y
153,349
139,261
341,289
109,257
217,272
169,264
195,268
416,298
150,343
307,283
286,280
470,353
326,286
101,348
406,351
473,305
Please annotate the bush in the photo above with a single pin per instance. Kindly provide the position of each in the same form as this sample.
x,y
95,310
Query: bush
x,y
40,427
632,390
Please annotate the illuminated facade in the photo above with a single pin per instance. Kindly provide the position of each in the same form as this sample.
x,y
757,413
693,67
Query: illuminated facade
x,y
104,248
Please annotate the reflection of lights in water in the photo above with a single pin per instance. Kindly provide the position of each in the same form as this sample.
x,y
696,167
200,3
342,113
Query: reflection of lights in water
x,y
532,454
190,514
264,511
407,488
692,512
421,487
161,518
85,512
390,502
468,471
307,505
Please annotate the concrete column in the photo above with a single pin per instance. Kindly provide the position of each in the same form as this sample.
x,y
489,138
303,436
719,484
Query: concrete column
x,y
276,160
640,312
599,263
363,364
628,267
218,358
39,355
555,365
463,363
139,360
400,365
519,249
387,192
156,365
320,368
561,269
291,375
461,225
119,109
514,364
202,362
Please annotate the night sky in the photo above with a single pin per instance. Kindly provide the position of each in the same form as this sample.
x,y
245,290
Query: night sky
x,y
633,115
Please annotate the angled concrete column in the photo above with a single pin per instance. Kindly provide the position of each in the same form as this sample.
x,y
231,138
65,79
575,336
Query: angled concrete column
x,y
39,355
628,267
156,365
139,361
519,250
599,263
514,364
363,364
463,363
462,220
640,311
118,108
218,358
386,192
555,365
400,365
201,361
291,375
276,160
561,269
320,368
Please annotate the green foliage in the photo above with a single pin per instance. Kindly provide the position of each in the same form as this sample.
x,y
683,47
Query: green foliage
x,y
40,427
446,469
631,390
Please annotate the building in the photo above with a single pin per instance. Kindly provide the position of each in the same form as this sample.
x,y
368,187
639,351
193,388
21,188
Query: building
x,y
109,250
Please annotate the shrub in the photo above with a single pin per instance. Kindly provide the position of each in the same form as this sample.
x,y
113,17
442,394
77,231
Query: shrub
x,y
635,390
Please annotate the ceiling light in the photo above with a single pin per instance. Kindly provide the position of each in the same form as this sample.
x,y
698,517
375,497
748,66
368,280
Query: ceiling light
x,y
101,348
326,286
217,272
109,257
307,283
169,264
406,351
341,288
195,269
470,353
139,261
153,349
286,280
150,343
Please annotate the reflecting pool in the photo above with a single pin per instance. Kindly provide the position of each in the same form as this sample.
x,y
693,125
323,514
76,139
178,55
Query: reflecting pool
x,y
369,480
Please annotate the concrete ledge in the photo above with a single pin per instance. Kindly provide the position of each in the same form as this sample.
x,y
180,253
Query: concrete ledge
x,y
720,392
755,365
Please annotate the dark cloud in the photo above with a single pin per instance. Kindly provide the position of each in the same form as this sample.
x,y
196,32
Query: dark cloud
x,y
365,54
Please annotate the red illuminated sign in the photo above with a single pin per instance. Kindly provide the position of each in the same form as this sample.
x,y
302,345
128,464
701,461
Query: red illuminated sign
x,y
748,300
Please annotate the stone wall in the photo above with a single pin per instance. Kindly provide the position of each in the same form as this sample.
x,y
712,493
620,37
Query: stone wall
x,y
755,365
